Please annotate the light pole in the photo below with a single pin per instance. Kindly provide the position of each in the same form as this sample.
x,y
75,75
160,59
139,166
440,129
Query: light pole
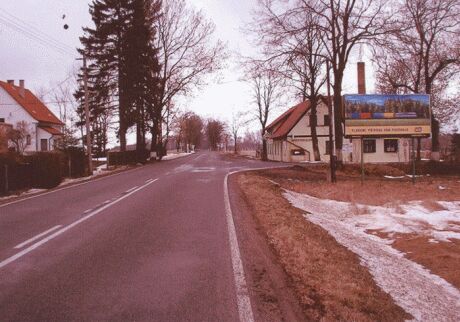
x,y
87,121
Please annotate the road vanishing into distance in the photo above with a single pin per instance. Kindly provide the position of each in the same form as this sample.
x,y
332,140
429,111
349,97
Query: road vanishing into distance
x,y
156,243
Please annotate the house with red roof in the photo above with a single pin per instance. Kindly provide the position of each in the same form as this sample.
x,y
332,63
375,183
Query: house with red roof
x,y
289,139
289,136
18,105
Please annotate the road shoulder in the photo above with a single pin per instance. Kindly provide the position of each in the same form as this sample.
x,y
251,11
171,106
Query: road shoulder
x,y
270,288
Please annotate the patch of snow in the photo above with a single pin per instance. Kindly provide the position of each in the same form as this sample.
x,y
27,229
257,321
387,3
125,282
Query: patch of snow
x,y
394,177
100,159
427,297
442,188
411,176
176,155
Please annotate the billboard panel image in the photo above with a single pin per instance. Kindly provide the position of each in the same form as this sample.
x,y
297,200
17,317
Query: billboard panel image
x,y
387,115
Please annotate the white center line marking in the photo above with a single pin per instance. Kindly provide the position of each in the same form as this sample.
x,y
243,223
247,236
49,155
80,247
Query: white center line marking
x,y
127,191
63,230
150,180
242,294
28,241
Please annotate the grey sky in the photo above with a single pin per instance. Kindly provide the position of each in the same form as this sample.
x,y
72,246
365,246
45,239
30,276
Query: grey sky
x,y
43,66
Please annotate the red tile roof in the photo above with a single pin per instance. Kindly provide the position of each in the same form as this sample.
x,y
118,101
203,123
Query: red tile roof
x,y
31,104
285,122
51,130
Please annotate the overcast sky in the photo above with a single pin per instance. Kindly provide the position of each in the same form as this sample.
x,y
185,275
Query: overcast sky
x,y
43,66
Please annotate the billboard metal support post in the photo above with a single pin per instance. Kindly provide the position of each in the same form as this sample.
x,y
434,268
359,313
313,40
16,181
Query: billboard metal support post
x,y
413,160
362,160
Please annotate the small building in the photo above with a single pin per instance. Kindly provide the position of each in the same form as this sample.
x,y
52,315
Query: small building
x,y
289,139
18,105
289,136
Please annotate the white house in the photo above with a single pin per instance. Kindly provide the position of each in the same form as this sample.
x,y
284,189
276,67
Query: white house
x,y
289,140
18,104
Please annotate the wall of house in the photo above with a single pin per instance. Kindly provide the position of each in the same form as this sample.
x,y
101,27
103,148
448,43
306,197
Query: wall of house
x,y
380,156
13,113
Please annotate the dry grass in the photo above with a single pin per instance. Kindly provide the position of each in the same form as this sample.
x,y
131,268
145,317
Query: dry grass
x,y
442,258
328,278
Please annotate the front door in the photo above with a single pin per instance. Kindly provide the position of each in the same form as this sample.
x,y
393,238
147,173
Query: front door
x,y
44,144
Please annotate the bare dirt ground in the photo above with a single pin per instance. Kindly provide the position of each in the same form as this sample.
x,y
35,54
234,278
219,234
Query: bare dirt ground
x,y
328,279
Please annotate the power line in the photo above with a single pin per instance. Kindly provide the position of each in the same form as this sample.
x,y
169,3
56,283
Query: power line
x,y
36,30
40,37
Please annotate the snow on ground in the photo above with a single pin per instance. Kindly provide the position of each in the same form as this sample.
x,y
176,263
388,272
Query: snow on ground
x,y
176,155
427,297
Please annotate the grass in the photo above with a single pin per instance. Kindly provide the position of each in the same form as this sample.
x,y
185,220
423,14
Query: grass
x,y
330,282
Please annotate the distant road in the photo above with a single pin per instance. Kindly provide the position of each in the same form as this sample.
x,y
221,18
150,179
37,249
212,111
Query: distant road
x,y
148,244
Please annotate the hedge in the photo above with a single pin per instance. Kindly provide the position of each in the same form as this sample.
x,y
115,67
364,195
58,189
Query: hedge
x,y
46,169
128,157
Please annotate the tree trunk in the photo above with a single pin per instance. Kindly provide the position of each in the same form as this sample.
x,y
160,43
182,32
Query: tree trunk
x,y
338,122
235,150
122,135
264,150
314,136
434,139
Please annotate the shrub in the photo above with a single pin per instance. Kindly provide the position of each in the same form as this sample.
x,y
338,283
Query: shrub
x,y
75,163
128,157
19,173
46,169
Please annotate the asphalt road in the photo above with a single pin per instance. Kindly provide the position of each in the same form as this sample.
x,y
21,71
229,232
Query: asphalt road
x,y
150,244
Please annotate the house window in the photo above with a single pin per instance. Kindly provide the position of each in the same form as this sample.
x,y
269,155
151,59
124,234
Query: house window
x,y
369,146
28,139
2,120
390,145
326,120
297,152
328,147
44,144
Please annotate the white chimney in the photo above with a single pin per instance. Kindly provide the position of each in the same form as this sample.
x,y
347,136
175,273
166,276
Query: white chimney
x,y
22,90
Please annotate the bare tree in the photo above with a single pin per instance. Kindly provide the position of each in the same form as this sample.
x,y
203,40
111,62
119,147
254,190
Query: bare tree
x,y
20,136
187,54
346,24
238,121
267,91
293,42
215,130
422,55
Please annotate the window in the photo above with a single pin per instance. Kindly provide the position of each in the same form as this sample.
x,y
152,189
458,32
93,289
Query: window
x,y
328,147
28,139
2,120
44,144
390,145
297,152
326,120
369,146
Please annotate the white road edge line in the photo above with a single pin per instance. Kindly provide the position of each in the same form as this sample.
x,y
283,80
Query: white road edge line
x,y
63,230
28,241
242,294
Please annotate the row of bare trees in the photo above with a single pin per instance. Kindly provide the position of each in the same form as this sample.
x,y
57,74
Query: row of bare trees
x,y
415,46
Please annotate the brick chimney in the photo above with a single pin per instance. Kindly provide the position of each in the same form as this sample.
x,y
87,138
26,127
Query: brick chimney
x,y
10,81
361,78
22,89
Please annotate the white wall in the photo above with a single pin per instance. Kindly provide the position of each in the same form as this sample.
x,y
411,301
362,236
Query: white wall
x,y
13,113
380,156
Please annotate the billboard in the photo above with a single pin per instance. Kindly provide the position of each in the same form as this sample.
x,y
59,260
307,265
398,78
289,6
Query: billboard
x,y
387,115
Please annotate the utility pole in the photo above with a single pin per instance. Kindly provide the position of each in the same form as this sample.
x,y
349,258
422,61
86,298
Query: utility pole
x,y
88,128
331,118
